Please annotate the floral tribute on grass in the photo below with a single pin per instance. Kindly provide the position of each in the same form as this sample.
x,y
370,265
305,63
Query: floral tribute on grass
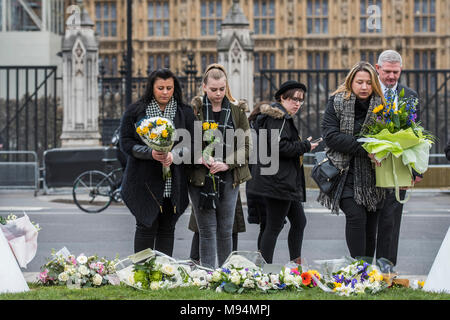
x,y
77,271
244,271
153,270
356,278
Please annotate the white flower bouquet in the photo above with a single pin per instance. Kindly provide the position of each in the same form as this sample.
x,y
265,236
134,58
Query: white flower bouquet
x,y
159,134
77,272
354,277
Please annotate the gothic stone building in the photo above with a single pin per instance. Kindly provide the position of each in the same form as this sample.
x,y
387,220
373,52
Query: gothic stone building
x,y
288,34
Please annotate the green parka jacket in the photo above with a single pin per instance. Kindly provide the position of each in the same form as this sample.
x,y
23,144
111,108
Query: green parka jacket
x,y
241,172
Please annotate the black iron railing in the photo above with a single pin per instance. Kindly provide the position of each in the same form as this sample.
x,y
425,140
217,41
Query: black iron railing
x,y
29,115
432,86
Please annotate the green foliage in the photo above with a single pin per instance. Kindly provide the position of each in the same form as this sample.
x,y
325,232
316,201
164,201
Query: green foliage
x,y
123,292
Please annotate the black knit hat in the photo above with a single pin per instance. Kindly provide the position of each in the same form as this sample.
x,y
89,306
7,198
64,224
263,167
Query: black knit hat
x,y
290,84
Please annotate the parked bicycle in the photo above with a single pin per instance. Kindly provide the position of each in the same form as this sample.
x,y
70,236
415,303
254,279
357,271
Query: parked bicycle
x,y
94,190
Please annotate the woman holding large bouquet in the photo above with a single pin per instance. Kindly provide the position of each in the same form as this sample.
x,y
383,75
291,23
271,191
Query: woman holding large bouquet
x,y
215,178
348,113
155,199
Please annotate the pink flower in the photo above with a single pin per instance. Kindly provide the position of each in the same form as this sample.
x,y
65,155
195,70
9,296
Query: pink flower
x,y
295,271
43,276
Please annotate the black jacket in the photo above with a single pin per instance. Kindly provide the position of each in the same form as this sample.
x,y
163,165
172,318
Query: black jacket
x,y
447,150
289,182
143,184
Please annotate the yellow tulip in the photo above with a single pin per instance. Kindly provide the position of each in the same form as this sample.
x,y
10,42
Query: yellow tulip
x,y
214,125
378,109
315,273
153,135
205,125
159,122
164,133
138,130
145,130
337,285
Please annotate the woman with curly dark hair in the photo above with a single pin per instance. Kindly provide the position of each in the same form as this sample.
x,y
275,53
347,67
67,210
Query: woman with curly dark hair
x,y
156,202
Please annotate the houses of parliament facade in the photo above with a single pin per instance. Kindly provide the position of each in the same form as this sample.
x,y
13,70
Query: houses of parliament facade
x,y
287,34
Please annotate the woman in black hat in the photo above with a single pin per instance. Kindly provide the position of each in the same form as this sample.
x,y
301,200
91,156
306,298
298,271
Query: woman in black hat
x,y
285,190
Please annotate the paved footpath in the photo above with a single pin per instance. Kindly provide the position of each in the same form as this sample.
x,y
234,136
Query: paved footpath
x,y
424,225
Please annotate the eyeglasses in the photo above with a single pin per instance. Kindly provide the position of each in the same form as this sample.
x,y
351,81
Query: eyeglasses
x,y
297,100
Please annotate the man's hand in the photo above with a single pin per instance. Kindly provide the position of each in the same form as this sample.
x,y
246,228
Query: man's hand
x,y
372,158
415,180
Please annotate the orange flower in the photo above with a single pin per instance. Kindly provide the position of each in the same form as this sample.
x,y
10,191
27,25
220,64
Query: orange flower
x,y
306,278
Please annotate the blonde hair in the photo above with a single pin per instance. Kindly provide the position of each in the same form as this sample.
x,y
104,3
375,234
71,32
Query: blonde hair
x,y
361,66
217,71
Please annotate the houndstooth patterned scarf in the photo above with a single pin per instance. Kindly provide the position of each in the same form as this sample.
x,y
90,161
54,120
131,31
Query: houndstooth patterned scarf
x,y
365,191
153,110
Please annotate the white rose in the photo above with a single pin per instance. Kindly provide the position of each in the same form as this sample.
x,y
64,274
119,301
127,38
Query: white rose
x,y
289,279
82,259
83,270
154,285
63,276
97,279
248,284
130,279
236,279
216,276
199,282
274,279
168,269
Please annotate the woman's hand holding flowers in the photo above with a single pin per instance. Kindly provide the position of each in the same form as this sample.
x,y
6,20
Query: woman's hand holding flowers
x,y
166,158
218,166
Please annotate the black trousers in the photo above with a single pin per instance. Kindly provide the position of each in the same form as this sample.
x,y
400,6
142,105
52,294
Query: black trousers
x,y
276,212
360,228
160,236
389,222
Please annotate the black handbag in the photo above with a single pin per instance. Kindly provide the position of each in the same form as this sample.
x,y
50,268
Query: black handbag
x,y
324,173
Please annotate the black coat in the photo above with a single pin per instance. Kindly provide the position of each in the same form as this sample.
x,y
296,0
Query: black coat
x,y
289,182
143,184
447,150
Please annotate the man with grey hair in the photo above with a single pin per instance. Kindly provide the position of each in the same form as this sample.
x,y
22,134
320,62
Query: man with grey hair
x,y
389,68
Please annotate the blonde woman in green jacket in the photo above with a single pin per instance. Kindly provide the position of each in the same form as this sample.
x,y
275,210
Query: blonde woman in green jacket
x,y
214,181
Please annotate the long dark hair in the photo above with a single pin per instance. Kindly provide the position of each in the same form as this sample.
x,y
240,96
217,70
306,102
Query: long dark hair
x,y
164,74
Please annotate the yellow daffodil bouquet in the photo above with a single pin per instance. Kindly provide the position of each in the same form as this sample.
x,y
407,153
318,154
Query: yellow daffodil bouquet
x,y
398,142
211,140
159,134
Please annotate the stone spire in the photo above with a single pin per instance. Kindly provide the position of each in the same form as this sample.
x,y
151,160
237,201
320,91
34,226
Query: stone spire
x,y
235,49
80,86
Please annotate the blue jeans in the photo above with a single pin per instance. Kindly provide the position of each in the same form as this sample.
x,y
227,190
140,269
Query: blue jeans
x,y
215,225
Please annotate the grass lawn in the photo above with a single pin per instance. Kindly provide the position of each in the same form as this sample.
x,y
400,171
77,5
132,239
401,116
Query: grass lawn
x,y
123,292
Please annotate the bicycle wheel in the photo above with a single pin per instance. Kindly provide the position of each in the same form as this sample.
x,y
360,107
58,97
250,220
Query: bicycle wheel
x,y
92,191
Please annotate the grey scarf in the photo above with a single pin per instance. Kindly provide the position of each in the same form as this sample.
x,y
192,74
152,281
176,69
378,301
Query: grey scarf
x,y
365,191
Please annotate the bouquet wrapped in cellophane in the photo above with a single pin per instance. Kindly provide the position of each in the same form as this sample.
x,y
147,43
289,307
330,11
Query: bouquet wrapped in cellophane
x,y
398,142
159,134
